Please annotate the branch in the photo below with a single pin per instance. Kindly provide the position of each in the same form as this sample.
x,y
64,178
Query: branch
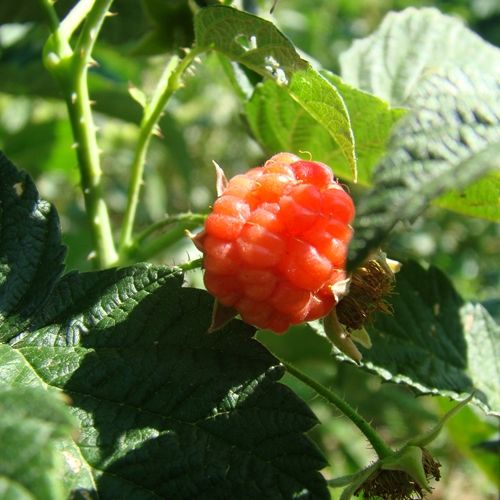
x,y
70,69
170,81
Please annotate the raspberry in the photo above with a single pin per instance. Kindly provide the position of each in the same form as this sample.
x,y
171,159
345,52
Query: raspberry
x,y
276,242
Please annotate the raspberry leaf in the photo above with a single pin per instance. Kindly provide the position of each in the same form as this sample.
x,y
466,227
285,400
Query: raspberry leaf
x,y
434,341
260,46
413,44
280,124
31,253
445,150
451,140
33,423
163,408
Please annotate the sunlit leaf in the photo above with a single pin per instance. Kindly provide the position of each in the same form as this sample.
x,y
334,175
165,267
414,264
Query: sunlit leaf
x,y
32,423
451,140
280,124
259,45
407,47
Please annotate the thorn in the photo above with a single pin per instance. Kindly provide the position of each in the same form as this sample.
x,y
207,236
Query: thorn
x,y
157,132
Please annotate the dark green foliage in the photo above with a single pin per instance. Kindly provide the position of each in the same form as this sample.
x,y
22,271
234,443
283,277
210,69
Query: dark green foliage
x,y
31,252
434,341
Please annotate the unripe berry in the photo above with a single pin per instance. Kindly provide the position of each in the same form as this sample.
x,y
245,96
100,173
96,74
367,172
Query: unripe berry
x,y
276,242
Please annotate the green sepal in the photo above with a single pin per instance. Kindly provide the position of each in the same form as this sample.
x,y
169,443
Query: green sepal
x,y
429,436
340,337
409,460
362,477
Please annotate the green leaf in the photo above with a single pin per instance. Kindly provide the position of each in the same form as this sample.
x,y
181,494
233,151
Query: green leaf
x,y
31,253
153,391
407,47
449,141
174,14
280,124
165,410
472,443
480,199
259,45
435,342
32,422
43,146
483,351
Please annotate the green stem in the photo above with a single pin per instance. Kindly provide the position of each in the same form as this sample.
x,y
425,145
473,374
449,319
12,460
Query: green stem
x,y
48,6
75,17
70,68
139,252
379,445
193,264
188,217
84,131
169,82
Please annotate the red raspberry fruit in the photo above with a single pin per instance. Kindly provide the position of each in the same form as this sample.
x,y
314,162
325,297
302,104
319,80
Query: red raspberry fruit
x,y
276,242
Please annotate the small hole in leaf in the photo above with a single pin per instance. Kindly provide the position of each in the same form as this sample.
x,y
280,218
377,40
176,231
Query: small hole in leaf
x,y
246,43
19,188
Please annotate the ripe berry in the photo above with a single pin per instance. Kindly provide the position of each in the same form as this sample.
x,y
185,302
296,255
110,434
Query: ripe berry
x,y
276,242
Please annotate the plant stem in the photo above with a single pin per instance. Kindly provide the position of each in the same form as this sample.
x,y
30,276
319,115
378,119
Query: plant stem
x,y
70,68
379,445
138,251
75,17
48,6
170,81
84,130
193,264
188,217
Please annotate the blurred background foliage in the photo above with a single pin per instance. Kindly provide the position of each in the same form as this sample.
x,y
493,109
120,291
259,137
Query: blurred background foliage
x,y
204,122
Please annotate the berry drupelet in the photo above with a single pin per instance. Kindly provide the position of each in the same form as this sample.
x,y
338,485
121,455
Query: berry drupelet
x,y
276,242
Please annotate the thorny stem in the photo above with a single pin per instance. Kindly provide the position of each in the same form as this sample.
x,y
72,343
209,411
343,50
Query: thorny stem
x,y
379,445
70,69
170,81
75,17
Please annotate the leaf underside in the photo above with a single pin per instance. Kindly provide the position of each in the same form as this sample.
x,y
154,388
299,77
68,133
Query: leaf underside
x,y
450,141
446,150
